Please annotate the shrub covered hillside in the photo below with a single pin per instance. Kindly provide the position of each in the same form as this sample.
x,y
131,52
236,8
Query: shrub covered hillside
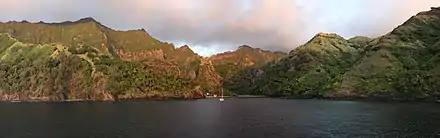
x,y
54,72
85,60
230,64
403,64
307,71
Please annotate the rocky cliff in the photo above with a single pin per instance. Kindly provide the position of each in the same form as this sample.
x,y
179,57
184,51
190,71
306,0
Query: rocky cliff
x,y
85,60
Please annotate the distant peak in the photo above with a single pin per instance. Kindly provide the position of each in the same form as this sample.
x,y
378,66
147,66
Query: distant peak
x,y
185,47
244,47
327,35
82,20
87,19
90,20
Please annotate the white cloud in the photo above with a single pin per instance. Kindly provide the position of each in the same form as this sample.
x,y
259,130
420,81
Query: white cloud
x,y
218,25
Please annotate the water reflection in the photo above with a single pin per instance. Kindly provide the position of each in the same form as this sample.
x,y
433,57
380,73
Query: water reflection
x,y
209,118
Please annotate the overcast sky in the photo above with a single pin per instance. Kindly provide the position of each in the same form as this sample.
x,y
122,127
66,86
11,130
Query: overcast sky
x,y
212,26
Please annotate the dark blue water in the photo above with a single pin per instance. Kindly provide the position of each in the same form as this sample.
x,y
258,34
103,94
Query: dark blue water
x,y
234,118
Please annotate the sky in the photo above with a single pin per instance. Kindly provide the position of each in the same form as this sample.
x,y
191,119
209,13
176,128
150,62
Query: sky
x,y
214,26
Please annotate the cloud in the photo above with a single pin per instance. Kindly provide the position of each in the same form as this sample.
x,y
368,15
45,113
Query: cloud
x,y
211,26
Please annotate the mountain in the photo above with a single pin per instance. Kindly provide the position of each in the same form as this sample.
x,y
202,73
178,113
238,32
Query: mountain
x,y
403,65
85,60
307,71
230,63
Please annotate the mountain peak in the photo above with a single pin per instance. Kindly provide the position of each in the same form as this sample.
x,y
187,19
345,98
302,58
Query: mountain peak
x,y
185,48
91,20
325,37
87,19
82,20
328,35
435,11
243,47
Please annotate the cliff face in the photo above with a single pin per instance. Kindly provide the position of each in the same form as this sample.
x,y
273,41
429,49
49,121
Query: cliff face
x,y
229,64
85,60
208,78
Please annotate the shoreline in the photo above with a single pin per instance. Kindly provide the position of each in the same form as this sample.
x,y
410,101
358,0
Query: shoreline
x,y
368,99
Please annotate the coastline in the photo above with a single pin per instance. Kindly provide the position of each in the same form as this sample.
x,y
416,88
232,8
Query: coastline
x,y
372,99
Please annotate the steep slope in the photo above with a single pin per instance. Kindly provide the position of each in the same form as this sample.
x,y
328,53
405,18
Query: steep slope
x,y
90,38
41,72
402,64
56,72
245,57
85,60
73,34
308,71
129,45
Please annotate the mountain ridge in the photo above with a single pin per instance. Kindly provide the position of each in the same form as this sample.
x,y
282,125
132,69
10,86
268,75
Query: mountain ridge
x,y
116,65
400,65
84,60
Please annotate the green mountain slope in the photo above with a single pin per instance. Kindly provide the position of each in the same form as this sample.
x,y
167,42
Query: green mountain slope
x,y
309,70
85,60
52,72
230,63
403,64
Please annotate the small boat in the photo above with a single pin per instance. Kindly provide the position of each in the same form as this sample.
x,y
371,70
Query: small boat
x,y
222,99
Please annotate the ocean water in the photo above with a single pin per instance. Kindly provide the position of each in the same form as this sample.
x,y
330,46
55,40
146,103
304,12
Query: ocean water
x,y
209,118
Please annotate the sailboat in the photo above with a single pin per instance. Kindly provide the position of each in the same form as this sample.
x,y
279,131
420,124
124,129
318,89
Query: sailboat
x,y
221,98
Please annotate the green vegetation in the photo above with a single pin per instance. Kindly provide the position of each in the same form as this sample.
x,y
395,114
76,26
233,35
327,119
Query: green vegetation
x,y
308,71
32,72
99,63
402,64
84,60
55,72
229,64
138,80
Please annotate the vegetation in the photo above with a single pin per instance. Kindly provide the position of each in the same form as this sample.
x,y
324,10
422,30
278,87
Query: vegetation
x,y
85,60
229,64
35,72
402,64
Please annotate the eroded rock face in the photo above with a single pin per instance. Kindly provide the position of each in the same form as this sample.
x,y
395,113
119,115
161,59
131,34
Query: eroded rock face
x,y
85,60
142,55
208,78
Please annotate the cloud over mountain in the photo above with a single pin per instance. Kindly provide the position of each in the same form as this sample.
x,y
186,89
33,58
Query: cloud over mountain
x,y
219,25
